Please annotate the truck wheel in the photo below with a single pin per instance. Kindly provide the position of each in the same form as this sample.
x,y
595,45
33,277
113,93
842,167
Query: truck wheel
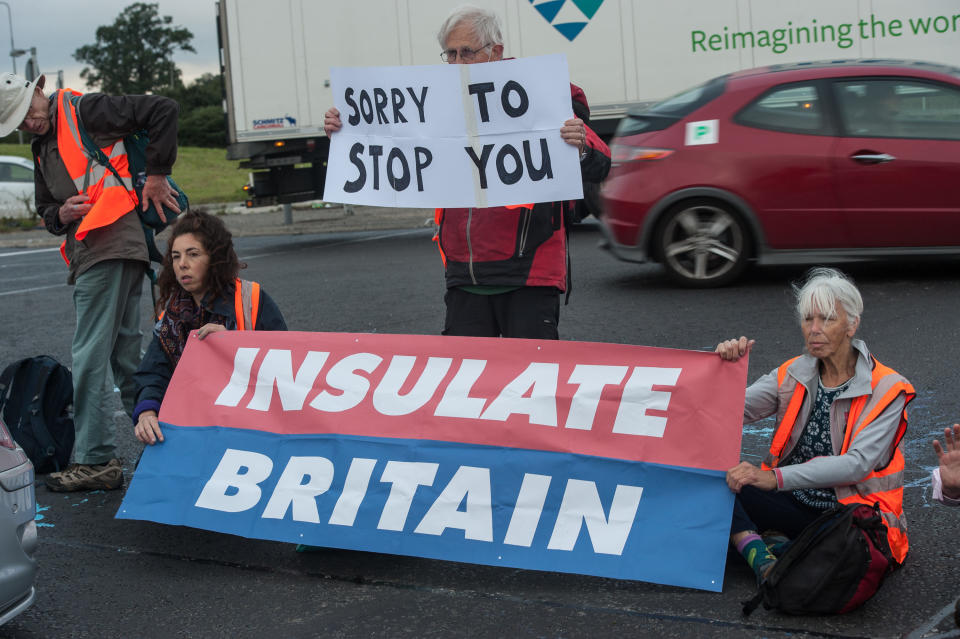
x,y
703,243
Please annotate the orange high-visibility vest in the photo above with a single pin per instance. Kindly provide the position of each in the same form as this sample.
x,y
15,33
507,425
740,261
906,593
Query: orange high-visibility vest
x,y
111,198
883,486
246,304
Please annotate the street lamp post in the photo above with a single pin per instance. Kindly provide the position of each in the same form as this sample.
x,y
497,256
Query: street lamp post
x,y
13,48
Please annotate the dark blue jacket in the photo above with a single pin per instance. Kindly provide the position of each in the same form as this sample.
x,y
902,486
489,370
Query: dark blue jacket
x,y
153,375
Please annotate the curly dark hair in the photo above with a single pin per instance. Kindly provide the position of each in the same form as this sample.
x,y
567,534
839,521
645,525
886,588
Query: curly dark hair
x,y
217,241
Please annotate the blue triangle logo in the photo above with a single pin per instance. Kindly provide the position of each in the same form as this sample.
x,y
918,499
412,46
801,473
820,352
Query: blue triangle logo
x,y
549,10
569,29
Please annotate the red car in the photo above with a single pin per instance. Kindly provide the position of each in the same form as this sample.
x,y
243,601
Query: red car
x,y
793,163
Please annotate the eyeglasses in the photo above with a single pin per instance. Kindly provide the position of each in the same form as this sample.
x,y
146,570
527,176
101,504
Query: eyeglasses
x,y
465,54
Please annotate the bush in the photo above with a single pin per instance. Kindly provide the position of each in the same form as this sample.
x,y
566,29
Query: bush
x,y
203,126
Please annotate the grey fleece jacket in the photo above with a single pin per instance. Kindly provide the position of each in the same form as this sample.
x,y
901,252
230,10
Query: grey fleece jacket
x,y
871,449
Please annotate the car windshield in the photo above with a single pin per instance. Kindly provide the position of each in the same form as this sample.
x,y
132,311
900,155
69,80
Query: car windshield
x,y
663,114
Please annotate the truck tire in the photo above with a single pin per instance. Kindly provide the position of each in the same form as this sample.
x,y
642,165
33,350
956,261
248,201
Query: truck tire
x,y
702,243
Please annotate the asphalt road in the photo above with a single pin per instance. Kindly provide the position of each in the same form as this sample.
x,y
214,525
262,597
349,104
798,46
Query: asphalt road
x,y
101,577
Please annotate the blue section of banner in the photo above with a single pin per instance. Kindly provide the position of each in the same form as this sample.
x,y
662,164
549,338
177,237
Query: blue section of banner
x,y
675,532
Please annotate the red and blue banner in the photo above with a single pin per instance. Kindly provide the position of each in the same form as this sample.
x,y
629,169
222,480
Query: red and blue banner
x,y
599,459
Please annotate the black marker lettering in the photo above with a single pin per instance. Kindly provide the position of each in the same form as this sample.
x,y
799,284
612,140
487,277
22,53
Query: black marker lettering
x,y
375,152
514,176
545,170
480,90
356,185
380,99
398,100
402,182
366,107
420,103
354,119
520,109
424,158
481,162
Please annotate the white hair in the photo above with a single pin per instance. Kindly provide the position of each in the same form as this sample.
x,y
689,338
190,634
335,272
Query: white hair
x,y
823,289
484,23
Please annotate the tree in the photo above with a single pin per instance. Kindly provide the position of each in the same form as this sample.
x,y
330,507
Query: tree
x,y
202,121
206,90
135,54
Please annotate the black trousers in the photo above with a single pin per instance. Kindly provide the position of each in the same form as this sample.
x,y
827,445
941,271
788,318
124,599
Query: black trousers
x,y
762,510
531,312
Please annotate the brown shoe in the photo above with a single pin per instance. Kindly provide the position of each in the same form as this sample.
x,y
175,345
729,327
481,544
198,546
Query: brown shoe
x,y
107,476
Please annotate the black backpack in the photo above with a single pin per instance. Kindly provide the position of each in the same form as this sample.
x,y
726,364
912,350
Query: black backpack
x,y
36,398
836,564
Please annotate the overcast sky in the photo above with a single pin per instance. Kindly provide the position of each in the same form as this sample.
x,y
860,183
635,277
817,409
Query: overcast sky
x,y
57,28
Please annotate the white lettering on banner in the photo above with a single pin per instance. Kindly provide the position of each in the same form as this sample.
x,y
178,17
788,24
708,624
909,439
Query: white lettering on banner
x,y
527,511
236,388
591,381
638,396
292,492
277,369
581,503
468,484
341,376
238,470
235,486
354,490
532,393
456,400
404,479
387,398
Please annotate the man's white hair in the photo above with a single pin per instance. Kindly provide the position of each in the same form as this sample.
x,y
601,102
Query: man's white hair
x,y
823,289
484,23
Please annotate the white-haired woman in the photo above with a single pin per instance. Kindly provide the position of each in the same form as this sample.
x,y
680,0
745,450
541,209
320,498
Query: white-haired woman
x,y
840,415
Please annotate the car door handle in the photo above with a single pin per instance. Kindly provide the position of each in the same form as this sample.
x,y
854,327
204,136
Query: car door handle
x,y
872,158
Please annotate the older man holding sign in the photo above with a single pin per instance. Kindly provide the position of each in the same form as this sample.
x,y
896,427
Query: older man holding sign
x,y
480,142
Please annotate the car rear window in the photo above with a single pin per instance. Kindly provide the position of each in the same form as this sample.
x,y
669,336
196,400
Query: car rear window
x,y
663,114
793,108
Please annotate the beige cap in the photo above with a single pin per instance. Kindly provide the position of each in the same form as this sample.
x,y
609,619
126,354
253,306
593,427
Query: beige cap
x,y
15,96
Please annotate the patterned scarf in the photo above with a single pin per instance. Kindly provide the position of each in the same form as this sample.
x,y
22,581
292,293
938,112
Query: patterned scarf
x,y
181,316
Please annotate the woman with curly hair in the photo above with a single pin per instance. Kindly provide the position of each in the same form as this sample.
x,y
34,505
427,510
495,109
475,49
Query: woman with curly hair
x,y
199,290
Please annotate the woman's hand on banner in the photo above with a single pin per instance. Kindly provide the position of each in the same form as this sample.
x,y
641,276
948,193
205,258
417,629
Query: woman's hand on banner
x,y
147,429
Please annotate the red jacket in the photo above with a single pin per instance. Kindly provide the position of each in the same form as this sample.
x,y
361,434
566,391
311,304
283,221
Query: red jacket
x,y
515,246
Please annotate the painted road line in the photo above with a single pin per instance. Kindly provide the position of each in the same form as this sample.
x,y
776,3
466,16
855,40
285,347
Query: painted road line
x,y
31,252
31,290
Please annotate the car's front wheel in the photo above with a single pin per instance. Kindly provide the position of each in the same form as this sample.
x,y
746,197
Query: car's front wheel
x,y
703,243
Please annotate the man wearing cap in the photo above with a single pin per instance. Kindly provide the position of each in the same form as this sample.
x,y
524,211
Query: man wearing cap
x,y
505,267
104,244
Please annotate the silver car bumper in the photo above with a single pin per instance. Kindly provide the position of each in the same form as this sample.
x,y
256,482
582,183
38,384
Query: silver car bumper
x,y
18,541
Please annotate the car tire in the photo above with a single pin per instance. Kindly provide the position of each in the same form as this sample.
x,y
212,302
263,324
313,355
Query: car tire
x,y
703,243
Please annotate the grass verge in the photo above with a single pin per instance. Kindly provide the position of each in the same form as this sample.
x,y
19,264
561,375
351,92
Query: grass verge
x,y
205,175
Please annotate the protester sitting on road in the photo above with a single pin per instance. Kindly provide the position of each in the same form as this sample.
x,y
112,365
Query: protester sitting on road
x,y
840,414
493,291
946,477
199,290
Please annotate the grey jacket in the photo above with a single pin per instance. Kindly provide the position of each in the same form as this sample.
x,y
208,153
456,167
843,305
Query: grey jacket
x,y
871,449
107,119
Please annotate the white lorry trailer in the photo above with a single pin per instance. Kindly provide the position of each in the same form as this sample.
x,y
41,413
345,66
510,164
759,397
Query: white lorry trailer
x,y
276,56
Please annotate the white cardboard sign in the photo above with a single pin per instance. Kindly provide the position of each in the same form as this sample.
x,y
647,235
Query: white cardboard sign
x,y
456,135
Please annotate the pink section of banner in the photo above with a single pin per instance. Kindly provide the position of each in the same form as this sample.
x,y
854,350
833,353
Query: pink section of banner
x,y
609,400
